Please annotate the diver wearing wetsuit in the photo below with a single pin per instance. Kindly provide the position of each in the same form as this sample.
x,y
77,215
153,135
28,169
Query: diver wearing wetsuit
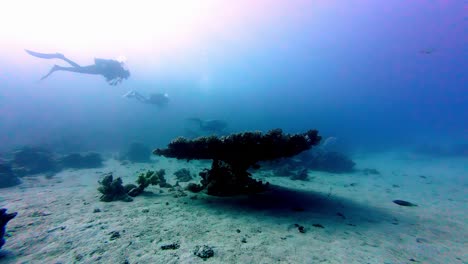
x,y
112,70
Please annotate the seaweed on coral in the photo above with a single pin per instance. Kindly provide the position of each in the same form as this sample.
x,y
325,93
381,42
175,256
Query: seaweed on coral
x,y
113,190
7,177
149,178
234,154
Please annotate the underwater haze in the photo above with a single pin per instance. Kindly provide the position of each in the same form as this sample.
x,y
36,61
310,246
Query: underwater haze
x,y
362,107
374,74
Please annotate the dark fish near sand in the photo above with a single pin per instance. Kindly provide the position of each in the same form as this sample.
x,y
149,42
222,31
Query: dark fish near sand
x,y
404,203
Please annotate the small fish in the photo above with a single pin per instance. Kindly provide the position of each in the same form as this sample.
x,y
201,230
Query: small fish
x,y
404,203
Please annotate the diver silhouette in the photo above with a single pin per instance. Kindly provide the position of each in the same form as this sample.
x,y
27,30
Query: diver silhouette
x,y
158,99
112,70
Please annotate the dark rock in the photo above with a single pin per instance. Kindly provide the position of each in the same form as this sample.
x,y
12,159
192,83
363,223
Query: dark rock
x,y
114,235
7,177
421,240
81,161
33,160
341,215
193,187
204,251
300,228
4,219
183,175
170,246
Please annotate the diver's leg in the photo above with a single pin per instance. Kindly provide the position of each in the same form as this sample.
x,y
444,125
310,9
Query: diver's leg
x,y
86,70
54,69
72,63
91,69
52,56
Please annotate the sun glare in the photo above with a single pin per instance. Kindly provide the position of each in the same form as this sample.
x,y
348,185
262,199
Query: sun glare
x,y
102,25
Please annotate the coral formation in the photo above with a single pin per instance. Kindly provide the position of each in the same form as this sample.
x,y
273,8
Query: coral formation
x,y
33,160
4,219
149,178
204,252
183,175
81,161
7,177
234,154
30,160
113,190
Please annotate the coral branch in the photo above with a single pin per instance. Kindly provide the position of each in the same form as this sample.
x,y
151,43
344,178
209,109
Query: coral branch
x,y
234,154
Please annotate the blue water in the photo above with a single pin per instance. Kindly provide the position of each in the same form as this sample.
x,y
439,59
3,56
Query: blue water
x,y
359,73
385,79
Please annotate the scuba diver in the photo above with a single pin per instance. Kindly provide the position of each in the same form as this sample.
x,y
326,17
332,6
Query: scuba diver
x,y
209,126
112,70
158,99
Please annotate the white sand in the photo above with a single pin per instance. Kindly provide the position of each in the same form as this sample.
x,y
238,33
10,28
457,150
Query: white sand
x,y
57,223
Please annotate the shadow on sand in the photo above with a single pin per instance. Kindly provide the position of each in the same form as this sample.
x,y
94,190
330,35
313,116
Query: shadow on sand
x,y
303,206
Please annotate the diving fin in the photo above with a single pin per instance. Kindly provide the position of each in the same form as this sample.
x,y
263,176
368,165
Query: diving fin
x,y
45,55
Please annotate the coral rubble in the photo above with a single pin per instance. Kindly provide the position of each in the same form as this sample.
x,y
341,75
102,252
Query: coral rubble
x,y
114,190
4,219
183,175
148,178
234,154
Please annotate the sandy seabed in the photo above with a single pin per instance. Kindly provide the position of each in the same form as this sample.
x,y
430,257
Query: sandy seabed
x,y
347,218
